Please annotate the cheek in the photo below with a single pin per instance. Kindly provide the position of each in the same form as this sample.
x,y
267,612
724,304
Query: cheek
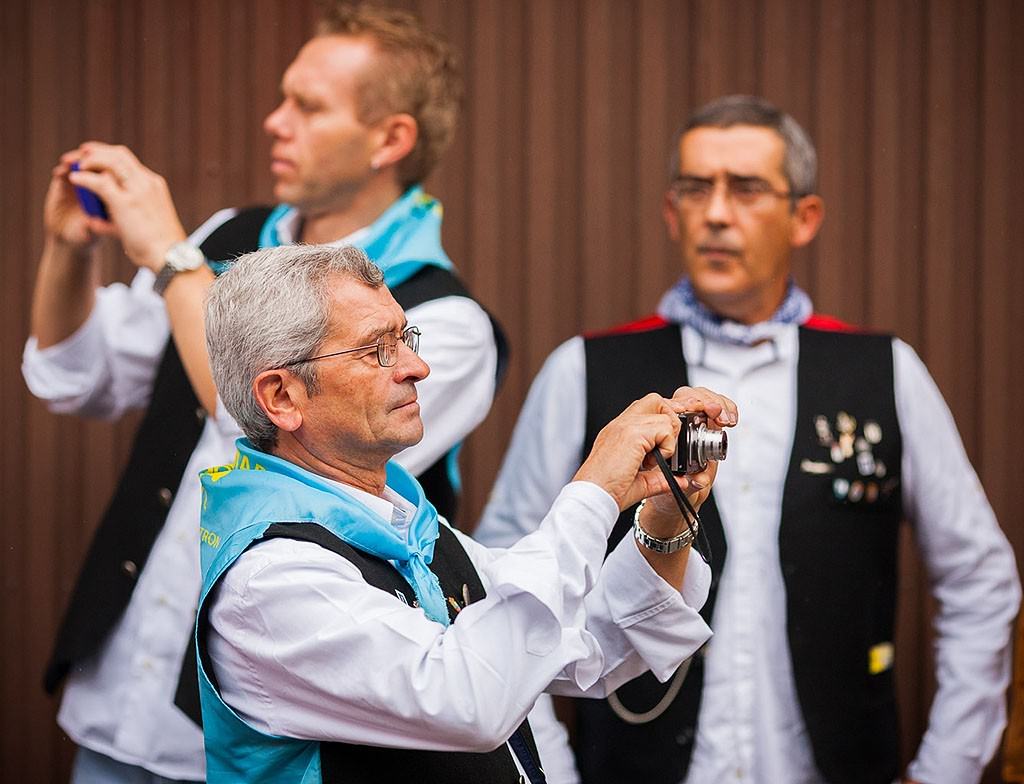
x,y
769,249
690,224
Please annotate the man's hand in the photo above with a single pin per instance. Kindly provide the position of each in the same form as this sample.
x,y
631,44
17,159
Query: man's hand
x,y
64,221
142,213
620,461
661,516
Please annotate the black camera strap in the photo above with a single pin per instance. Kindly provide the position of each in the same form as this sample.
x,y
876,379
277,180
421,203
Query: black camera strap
x,y
690,516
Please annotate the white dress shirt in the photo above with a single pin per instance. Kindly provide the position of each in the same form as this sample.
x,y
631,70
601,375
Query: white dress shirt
x,y
120,702
750,727
303,647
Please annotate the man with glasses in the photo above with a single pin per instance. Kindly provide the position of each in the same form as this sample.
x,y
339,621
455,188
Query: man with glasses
x,y
345,634
368,106
844,435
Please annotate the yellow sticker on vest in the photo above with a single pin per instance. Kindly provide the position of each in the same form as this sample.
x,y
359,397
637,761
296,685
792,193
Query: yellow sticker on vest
x,y
880,657
240,463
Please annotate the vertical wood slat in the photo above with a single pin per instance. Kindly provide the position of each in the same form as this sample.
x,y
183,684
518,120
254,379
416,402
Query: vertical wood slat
x,y
659,94
552,191
35,590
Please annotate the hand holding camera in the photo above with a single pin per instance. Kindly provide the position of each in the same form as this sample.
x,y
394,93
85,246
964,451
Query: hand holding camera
x,y
64,219
701,443
141,212
622,460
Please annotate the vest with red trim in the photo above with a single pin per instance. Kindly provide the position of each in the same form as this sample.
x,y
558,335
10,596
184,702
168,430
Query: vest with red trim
x,y
838,546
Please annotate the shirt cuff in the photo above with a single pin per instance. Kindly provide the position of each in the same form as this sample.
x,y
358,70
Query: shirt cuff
x,y
663,625
590,493
66,368
935,766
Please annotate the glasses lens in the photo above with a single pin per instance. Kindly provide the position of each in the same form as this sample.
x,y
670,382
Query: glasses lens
x,y
387,349
411,338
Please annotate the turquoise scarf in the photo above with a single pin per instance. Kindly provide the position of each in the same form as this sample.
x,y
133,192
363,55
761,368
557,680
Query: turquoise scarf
x,y
403,240
259,489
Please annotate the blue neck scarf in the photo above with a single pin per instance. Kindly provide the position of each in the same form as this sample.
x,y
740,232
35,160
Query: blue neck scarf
x,y
681,306
260,489
404,239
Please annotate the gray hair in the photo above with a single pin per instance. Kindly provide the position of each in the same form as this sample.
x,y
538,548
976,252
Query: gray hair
x,y
800,164
270,309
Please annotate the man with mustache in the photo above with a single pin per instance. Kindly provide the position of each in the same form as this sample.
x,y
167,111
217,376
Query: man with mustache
x,y
844,435
368,106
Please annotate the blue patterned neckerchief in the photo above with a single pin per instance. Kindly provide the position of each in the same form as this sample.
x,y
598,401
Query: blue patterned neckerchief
x,y
261,488
404,239
680,305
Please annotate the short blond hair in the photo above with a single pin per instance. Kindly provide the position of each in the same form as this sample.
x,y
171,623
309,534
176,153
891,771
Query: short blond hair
x,y
415,72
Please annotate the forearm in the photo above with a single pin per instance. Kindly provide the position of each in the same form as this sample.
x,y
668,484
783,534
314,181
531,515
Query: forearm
x,y
65,292
671,567
185,297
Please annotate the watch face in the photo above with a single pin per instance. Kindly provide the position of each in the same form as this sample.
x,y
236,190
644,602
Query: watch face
x,y
184,256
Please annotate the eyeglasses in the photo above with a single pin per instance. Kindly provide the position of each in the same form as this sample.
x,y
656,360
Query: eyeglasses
x,y
386,345
744,192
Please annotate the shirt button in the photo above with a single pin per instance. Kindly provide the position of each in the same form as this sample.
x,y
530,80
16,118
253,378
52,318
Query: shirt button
x,y
165,496
129,569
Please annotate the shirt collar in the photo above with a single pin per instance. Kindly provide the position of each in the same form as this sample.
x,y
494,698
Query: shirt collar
x,y
731,359
290,224
391,506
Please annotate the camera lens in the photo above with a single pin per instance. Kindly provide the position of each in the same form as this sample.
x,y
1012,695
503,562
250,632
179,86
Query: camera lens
x,y
697,445
710,444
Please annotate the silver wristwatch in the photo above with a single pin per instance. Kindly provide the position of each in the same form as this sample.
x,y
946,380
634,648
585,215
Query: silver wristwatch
x,y
673,545
180,257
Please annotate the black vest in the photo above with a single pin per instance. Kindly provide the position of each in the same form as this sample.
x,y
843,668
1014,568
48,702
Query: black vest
x,y
356,764
162,447
838,548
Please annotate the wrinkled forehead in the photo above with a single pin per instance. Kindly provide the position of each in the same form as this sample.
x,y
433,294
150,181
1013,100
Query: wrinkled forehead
x,y
360,313
744,150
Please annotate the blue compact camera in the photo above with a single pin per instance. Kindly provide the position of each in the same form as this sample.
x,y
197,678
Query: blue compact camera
x,y
91,203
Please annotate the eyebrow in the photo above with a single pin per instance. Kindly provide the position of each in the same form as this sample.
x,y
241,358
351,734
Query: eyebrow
x,y
728,176
372,335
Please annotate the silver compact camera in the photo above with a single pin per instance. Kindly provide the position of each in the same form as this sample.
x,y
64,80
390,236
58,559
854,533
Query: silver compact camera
x,y
697,445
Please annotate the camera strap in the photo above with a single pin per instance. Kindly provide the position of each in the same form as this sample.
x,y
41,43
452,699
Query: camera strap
x,y
690,516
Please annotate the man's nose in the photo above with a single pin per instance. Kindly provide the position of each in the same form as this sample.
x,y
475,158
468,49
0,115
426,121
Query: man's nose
x,y
719,209
410,365
274,123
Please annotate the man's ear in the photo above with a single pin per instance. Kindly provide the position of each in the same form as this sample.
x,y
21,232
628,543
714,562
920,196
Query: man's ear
x,y
807,218
397,135
670,213
280,394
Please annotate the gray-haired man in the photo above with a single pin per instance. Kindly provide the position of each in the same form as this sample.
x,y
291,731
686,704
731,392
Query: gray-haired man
x,y
345,634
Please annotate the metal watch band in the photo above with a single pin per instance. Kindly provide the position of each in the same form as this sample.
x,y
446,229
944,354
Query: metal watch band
x,y
673,545
163,278
180,257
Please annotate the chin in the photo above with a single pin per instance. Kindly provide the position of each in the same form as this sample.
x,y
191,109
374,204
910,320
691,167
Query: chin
x,y
410,435
718,285
283,194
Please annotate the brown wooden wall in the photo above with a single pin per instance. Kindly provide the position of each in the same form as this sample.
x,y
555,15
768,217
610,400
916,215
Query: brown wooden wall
x,y
552,196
